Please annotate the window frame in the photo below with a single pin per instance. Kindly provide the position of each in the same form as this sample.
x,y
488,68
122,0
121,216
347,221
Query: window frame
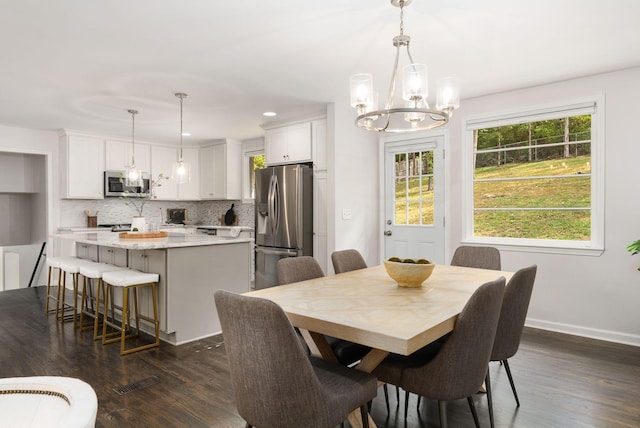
x,y
594,105
249,149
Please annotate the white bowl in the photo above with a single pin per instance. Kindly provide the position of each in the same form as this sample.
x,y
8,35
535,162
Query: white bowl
x,y
409,274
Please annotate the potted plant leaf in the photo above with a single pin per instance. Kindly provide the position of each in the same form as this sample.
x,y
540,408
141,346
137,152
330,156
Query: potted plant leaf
x,y
634,249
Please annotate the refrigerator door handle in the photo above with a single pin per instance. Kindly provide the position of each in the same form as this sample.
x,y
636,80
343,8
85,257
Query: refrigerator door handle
x,y
270,208
293,253
276,205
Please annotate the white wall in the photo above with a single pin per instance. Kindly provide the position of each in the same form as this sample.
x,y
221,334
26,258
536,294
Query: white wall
x,y
595,296
36,142
353,181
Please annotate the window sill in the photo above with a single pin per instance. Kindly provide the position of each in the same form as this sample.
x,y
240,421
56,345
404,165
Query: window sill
x,y
545,247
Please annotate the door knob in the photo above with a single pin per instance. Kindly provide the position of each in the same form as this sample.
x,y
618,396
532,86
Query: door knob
x,y
387,233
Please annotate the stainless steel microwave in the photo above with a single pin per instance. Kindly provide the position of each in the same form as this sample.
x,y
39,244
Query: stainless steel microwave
x,y
115,185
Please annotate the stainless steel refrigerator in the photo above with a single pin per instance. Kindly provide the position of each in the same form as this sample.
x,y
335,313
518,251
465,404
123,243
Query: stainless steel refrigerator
x,y
284,218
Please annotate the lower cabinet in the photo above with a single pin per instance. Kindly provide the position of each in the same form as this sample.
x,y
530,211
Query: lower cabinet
x,y
87,251
152,261
113,256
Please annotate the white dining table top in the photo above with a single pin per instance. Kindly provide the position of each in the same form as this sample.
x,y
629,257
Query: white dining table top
x,y
366,306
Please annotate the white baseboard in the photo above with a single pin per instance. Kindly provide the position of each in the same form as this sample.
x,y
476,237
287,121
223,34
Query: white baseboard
x,y
592,333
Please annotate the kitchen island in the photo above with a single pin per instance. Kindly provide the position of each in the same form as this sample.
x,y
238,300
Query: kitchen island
x,y
191,269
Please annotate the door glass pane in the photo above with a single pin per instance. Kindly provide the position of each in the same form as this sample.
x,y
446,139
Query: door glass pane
x,y
401,213
427,212
414,212
414,188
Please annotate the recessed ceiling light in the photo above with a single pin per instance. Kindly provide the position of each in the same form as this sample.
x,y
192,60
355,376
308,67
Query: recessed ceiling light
x,y
269,113
186,134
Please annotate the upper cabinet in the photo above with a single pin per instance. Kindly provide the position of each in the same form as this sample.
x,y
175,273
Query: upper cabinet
x,y
82,166
221,170
191,191
288,144
118,155
162,160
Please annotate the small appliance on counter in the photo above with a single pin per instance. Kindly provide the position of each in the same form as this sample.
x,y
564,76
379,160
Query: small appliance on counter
x,y
117,227
176,215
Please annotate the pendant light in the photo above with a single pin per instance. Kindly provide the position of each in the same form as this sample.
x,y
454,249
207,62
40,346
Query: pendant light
x,y
414,114
181,169
133,175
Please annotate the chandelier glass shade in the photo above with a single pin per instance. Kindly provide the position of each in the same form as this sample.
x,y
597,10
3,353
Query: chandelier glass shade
x,y
133,174
413,112
181,169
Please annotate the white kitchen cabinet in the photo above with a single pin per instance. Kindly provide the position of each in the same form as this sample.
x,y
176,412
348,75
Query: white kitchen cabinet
x,y
221,170
118,155
319,144
288,144
113,256
320,213
151,261
162,160
87,251
82,166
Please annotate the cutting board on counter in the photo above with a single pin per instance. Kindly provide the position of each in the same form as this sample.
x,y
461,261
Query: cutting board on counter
x,y
143,235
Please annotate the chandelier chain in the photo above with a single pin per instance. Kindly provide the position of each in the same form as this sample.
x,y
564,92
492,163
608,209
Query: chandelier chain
x,y
133,136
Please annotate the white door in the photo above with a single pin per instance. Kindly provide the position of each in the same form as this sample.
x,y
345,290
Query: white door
x,y
414,198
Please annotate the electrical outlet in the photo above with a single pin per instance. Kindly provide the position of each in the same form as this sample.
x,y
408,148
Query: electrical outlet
x,y
346,214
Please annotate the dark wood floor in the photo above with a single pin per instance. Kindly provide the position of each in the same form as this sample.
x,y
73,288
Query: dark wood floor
x,y
563,381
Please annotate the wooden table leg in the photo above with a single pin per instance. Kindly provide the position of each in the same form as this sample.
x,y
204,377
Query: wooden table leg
x,y
319,346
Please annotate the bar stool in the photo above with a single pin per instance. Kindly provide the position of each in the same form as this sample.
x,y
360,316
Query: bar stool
x,y
93,271
127,279
70,266
55,263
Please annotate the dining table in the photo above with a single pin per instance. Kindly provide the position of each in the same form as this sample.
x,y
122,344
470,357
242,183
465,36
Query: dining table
x,y
368,307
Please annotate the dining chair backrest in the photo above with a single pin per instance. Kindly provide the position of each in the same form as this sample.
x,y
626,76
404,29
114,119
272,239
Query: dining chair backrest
x,y
274,382
477,257
460,366
296,269
347,260
515,304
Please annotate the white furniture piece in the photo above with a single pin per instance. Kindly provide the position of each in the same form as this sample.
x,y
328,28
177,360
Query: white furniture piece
x,y
82,166
128,279
118,154
47,401
61,264
220,171
288,144
91,303
162,160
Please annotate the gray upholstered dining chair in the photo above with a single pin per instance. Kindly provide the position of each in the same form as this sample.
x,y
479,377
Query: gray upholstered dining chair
x,y
456,368
476,257
347,260
274,382
513,314
296,269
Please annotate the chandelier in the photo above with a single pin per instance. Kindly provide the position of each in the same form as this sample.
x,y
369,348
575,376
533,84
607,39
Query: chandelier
x,y
415,113
133,174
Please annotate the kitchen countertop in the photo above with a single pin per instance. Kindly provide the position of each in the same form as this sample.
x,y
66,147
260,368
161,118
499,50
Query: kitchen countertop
x,y
172,241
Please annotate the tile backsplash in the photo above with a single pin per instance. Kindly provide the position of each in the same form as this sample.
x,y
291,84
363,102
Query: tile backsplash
x,y
115,211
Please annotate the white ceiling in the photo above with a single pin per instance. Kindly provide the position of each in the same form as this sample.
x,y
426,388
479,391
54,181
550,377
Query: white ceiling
x,y
80,64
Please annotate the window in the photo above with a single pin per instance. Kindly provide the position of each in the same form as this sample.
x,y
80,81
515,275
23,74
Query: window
x,y
534,178
252,160
414,188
